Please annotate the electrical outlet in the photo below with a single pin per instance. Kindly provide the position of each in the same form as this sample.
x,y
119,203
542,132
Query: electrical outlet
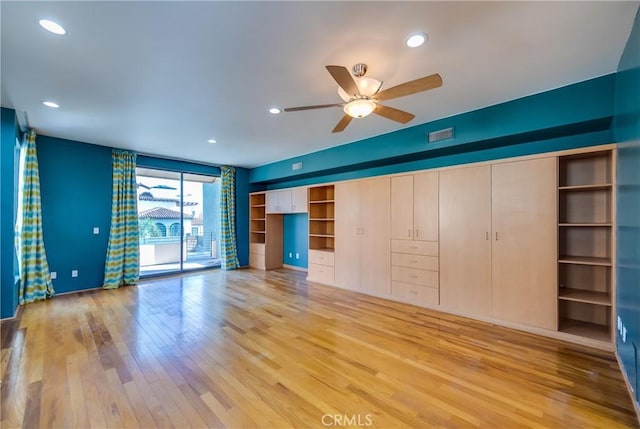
x,y
54,275
297,255
624,334
619,324
290,255
74,273
96,230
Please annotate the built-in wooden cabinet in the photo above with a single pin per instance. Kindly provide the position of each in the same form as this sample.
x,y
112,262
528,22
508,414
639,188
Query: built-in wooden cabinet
x,y
526,242
265,234
465,240
586,244
287,201
497,241
414,207
523,217
362,253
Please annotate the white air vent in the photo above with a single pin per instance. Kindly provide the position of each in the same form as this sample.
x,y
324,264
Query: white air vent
x,y
440,135
296,166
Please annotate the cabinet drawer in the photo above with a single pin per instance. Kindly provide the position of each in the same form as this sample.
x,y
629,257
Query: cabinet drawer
x,y
257,248
320,274
256,261
415,276
415,261
429,248
413,294
321,258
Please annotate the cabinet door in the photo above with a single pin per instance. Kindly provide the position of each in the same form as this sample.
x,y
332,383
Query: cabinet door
x,y
347,231
375,249
524,259
465,248
272,201
284,201
299,200
425,206
402,207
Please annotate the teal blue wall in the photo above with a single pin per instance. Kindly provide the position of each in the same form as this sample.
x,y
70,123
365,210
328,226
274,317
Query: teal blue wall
x,y
243,187
528,125
627,134
8,173
295,239
75,185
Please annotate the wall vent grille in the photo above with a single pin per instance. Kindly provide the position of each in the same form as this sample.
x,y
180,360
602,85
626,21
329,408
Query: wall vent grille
x,y
445,134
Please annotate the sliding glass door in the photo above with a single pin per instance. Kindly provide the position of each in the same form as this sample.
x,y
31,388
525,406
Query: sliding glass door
x,y
179,219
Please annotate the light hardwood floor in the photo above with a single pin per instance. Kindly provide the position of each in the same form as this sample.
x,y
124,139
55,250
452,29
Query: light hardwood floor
x,y
255,349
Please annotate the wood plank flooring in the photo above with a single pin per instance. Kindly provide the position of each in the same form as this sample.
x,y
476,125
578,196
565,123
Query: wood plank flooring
x,y
267,350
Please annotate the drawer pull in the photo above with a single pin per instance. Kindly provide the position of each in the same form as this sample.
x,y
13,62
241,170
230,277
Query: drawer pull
x,y
413,292
413,276
414,262
413,247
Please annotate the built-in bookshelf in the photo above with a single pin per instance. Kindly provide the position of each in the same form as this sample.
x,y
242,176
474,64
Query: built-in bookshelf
x,y
258,219
321,218
585,244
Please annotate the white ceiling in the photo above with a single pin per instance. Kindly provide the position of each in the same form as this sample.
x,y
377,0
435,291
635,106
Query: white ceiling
x,y
164,77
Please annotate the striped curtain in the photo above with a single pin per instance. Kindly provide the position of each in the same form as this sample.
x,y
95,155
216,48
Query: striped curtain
x,y
228,219
35,280
123,258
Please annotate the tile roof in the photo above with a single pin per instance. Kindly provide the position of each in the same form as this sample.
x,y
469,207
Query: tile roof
x,y
162,213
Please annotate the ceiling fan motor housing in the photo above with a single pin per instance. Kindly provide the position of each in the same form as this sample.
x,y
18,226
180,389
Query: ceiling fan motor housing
x,y
359,70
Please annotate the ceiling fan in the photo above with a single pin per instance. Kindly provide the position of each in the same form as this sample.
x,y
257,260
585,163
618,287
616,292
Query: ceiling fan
x,y
362,95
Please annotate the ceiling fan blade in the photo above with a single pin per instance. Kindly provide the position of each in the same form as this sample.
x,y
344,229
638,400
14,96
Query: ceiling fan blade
x,y
393,114
342,124
408,88
317,106
341,75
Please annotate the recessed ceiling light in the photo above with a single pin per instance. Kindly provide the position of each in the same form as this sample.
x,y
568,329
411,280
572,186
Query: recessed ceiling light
x,y
51,104
274,110
52,26
211,141
416,40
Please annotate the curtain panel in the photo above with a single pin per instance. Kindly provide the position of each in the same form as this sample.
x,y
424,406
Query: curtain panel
x,y
35,279
228,219
122,266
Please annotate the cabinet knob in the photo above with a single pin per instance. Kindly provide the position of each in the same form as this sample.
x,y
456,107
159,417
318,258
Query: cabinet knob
x,y
414,262
413,276
413,292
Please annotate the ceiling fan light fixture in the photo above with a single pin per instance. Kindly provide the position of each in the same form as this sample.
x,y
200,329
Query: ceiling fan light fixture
x,y
359,108
367,86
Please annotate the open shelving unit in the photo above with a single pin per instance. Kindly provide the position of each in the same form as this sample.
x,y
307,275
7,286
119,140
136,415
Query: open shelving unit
x,y
258,218
265,234
585,244
321,218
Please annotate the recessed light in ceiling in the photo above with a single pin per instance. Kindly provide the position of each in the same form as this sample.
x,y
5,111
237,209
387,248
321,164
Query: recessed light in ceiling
x,y
416,40
274,110
51,104
211,141
52,26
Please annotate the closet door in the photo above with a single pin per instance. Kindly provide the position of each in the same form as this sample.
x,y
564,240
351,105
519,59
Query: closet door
x,y
425,206
524,252
465,247
375,250
402,207
348,233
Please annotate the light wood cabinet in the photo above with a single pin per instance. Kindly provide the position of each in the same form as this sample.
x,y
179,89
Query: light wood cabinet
x,y
287,201
524,255
414,207
362,260
497,241
586,236
465,247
